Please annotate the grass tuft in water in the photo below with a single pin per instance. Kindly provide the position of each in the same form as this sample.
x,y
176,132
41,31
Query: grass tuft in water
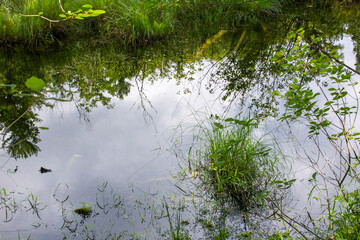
x,y
235,166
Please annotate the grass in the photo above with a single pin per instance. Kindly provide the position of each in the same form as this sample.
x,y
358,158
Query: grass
x,y
34,30
234,166
128,21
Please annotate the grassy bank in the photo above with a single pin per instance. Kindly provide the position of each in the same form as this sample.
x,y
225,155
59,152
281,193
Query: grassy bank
x,y
34,22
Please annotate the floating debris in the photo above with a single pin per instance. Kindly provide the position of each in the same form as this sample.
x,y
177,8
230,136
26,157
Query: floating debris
x,y
44,170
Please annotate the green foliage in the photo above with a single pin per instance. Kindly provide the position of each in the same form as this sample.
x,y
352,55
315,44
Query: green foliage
x,y
323,95
177,230
346,218
302,99
132,21
19,132
85,11
30,22
35,84
234,164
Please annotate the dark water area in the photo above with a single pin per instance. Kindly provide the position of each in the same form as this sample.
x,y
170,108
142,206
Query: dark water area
x,y
114,126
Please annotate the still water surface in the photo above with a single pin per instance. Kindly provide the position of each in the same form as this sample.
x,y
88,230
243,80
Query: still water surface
x,y
160,94
129,146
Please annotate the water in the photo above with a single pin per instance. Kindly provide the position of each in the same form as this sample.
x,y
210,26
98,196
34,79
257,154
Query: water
x,y
130,146
120,141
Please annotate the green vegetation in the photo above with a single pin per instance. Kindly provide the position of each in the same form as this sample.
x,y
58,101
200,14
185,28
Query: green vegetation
x,y
31,21
34,22
323,96
84,211
234,165
299,70
308,83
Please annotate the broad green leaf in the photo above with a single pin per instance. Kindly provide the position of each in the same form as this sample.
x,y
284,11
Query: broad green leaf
x,y
40,13
84,15
86,7
62,15
44,128
96,13
35,84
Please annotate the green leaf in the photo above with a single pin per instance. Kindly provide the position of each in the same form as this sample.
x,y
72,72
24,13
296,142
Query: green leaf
x,y
23,95
86,7
84,15
276,93
40,13
290,182
276,182
230,120
218,125
311,192
62,15
12,86
96,13
35,84
44,128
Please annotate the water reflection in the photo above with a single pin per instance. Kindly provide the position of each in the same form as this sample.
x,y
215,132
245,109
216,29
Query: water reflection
x,y
117,145
171,85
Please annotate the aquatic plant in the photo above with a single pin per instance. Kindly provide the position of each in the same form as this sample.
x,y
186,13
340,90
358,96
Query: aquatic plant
x,y
84,210
232,164
177,231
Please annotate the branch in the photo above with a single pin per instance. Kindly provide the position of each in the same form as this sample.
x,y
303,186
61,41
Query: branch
x,y
325,52
62,9
47,19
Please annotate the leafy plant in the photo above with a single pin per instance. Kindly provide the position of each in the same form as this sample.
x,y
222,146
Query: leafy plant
x,y
86,11
323,95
